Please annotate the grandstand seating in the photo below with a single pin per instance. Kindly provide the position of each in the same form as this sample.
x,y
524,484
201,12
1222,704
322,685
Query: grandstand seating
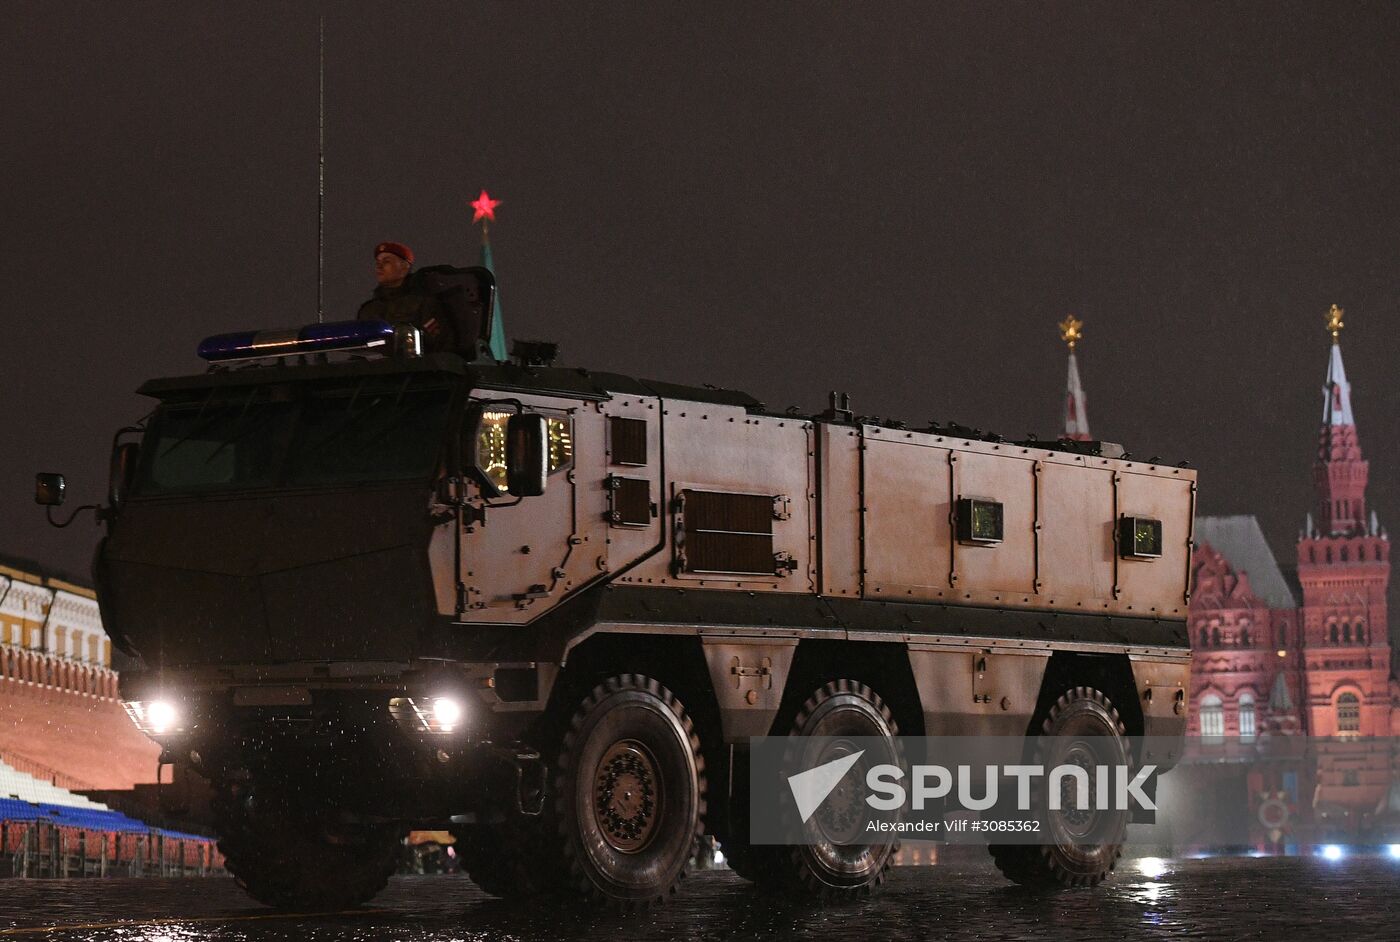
x,y
17,785
72,835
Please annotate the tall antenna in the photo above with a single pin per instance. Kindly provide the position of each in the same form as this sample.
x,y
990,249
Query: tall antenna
x,y
321,183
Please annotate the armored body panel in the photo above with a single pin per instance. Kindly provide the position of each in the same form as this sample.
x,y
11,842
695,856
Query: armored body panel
x,y
738,501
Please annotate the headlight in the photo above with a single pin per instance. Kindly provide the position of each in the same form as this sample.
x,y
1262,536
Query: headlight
x,y
447,713
430,714
153,717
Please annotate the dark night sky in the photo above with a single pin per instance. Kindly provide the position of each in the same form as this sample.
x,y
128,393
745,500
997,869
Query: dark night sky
x,y
898,200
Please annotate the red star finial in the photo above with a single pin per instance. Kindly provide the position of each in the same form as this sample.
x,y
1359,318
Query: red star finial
x,y
485,207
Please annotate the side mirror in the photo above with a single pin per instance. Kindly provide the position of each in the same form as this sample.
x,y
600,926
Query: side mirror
x,y
527,454
120,472
49,489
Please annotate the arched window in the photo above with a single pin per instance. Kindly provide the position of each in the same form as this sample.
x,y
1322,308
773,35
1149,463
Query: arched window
x,y
1348,713
1215,637
1212,719
1332,633
1205,638
1244,637
1361,553
1246,717
1346,632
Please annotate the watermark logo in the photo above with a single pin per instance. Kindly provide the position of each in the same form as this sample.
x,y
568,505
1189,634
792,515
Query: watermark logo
x,y
811,788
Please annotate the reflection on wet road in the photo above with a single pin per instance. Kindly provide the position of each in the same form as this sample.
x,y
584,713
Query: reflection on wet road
x,y
1219,899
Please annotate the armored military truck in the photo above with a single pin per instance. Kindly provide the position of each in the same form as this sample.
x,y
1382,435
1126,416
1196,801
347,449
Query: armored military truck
x,y
547,608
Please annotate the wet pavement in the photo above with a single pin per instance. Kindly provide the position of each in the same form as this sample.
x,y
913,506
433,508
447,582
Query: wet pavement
x,y
1216,899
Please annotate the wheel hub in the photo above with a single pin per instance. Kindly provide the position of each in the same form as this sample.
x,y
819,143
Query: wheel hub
x,y
626,793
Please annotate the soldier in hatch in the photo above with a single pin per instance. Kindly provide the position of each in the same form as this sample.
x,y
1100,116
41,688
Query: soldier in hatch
x,y
398,301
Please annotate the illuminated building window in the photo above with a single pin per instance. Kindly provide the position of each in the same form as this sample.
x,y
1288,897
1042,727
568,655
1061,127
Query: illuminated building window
x,y
1348,713
1212,719
1246,717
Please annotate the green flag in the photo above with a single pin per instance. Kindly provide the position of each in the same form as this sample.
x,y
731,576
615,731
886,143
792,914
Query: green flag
x,y
498,327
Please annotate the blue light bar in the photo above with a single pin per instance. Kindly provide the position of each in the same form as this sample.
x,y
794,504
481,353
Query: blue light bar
x,y
313,338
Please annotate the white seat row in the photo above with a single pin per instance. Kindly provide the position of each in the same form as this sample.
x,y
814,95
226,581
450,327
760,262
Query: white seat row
x,y
17,784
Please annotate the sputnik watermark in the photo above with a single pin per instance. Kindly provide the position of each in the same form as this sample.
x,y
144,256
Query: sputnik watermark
x,y
1047,789
930,783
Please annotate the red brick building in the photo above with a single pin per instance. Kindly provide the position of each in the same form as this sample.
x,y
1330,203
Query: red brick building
x,y
1294,698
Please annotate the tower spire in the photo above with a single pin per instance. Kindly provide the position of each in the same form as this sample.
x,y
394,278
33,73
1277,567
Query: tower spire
x,y
1076,419
484,212
1340,471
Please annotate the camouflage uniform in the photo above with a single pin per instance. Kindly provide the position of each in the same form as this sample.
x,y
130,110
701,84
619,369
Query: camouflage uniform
x,y
406,305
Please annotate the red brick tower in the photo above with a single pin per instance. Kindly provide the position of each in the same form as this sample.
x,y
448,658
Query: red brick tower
x,y
1343,569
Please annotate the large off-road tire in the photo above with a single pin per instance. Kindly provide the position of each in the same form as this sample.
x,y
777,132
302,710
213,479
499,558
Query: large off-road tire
x,y
1084,728
506,859
740,858
629,794
835,864
293,859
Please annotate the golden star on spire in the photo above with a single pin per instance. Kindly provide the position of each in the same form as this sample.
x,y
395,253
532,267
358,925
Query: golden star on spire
x,y
1334,322
1071,330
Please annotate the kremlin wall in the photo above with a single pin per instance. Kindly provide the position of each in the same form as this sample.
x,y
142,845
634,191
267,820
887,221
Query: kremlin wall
x,y
61,718
65,741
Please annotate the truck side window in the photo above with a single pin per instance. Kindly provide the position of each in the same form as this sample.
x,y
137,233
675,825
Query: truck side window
x,y
491,446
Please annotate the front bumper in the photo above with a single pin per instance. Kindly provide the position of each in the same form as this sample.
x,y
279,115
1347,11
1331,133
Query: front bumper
x,y
370,736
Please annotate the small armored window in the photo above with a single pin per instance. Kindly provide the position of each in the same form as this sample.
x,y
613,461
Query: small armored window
x,y
627,441
979,521
726,533
1139,538
629,502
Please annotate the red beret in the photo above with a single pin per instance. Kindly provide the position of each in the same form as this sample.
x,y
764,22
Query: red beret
x,y
395,248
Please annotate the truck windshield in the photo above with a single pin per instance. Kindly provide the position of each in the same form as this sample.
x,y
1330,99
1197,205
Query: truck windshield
x,y
296,434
